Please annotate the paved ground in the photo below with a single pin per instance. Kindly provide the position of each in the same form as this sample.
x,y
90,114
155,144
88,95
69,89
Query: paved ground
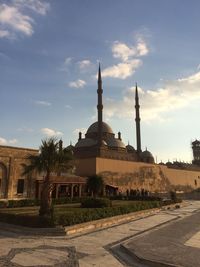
x,y
93,249
178,243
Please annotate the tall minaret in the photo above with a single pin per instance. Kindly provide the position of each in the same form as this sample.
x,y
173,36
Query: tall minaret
x,y
100,107
137,120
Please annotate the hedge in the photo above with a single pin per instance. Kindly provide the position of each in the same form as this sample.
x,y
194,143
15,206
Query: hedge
x,y
27,220
85,215
35,202
96,203
74,216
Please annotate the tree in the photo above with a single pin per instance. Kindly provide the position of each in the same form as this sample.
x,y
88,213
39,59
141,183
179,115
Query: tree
x,y
51,158
95,184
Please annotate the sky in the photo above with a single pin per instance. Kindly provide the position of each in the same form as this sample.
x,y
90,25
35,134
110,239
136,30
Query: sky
x,y
49,55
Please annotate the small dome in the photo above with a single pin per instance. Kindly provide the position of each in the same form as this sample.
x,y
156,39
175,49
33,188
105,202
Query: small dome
x,y
113,142
86,142
146,156
130,148
94,128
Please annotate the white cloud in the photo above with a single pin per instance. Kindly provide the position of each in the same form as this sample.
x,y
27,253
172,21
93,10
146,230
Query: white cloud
x,y
38,6
125,53
42,103
122,51
77,84
122,70
142,48
157,103
84,64
13,17
4,142
129,57
50,132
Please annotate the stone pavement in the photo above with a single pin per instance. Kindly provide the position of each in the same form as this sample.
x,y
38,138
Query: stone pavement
x,y
92,249
176,244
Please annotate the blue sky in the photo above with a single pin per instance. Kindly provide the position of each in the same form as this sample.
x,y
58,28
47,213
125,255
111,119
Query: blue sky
x,y
49,54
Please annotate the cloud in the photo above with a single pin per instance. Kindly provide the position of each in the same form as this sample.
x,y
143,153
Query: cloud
x,y
122,70
77,84
84,64
142,48
42,103
156,104
50,132
129,57
38,6
4,142
122,51
14,18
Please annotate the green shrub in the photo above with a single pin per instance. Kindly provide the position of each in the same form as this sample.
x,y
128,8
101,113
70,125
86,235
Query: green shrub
x,y
89,214
27,220
23,203
76,215
95,203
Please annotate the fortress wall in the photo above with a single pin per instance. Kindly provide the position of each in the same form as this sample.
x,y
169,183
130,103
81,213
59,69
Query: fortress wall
x,y
182,177
85,167
127,175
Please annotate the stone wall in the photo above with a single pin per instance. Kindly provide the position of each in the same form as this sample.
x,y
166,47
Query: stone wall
x,y
11,160
136,175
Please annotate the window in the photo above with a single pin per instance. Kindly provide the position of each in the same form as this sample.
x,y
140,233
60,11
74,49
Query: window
x,y
20,186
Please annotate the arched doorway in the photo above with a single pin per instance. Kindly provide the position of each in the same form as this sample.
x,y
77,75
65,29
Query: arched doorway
x,y
3,181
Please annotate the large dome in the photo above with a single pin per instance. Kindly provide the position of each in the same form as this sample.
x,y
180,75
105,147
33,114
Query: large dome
x,y
94,128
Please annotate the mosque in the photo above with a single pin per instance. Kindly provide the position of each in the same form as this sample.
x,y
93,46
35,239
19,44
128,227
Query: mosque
x,y
100,141
122,167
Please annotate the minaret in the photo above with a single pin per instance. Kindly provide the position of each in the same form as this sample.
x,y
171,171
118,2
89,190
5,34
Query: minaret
x,y
137,120
100,107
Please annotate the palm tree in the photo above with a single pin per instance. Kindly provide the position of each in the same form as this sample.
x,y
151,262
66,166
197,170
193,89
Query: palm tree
x,y
95,184
51,158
